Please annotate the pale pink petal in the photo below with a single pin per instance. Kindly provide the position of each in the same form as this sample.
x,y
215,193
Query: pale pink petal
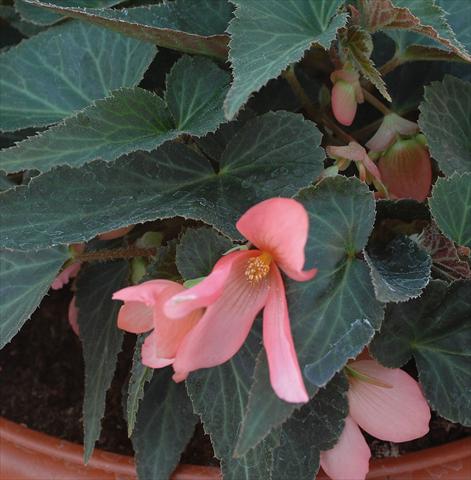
x,y
226,323
120,232
147,292
150,354
344,102
135,317
349,459
285,374
73,315
406,170
66,275
279,226
209,290
386,134
395,414
352,151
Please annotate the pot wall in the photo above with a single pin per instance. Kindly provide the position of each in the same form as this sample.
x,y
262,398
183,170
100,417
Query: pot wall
x,y
29,455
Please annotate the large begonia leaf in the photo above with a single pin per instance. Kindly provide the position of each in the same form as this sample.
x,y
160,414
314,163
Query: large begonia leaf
x,y
266,37
101,339
273,155
25,277
43,17
451,207
436,331
445,119
82,62
130,120
184,25
332,316
400,270
165,424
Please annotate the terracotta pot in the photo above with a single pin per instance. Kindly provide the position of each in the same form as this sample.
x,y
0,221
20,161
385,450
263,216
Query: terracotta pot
x,y
29,455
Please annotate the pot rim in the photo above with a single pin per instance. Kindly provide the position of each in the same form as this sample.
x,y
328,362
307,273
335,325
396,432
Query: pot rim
x,y
24,441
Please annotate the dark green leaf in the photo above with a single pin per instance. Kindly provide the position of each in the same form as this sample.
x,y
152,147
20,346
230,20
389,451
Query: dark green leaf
x,y
273,155
140,375
5,182
332,316
266,37
400,270
130,120
25,277
458,16
163,265
436,330
184,25
219,396
451,207
164,426
82,63
198,251
41,16
101,340
13,18
445,119
315,427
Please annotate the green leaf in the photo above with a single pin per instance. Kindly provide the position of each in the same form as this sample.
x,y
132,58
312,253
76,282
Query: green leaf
x,y
219,395
198,251
82,63
43,17
451,207
5,182
130,120
101,339
163,265
13,18
184,25
445,119
266,37
458,16
399,271
140,375
165,424
435,329
315,427
332,316
273,155
25,277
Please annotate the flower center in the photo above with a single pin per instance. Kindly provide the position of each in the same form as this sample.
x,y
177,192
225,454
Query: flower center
x,y
258,267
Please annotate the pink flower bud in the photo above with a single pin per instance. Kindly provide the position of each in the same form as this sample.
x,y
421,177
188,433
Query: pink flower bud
x,y
346,93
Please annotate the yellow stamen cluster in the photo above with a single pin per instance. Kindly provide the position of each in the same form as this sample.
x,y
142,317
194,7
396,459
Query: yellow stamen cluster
x,y
258,267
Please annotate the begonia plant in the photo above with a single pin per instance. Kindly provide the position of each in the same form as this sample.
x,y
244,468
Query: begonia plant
x,y
271,197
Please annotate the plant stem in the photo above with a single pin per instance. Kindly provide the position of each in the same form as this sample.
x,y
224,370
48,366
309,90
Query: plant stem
x,y
390,65
378,104
115,254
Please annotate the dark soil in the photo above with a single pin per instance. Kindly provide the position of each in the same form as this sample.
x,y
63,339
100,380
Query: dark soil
x,y
42,387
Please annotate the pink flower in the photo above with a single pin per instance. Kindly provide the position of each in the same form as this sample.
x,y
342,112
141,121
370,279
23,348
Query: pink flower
x,y
354,151
143,311
346,94
113,234
66,275
73,315
388,404
240,285
392,127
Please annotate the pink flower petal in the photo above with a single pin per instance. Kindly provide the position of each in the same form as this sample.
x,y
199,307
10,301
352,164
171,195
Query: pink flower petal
x,y
147,292
352,151
344,102
279,226
120,232
406,170
66,275
208,291
349,458
135,317
73,315
396,414
150,354
285,374
226,323
386,134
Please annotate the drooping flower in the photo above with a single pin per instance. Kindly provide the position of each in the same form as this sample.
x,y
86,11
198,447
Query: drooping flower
x,y
143,311
240,285
346,94
388,404
71,270
355,152
392,127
